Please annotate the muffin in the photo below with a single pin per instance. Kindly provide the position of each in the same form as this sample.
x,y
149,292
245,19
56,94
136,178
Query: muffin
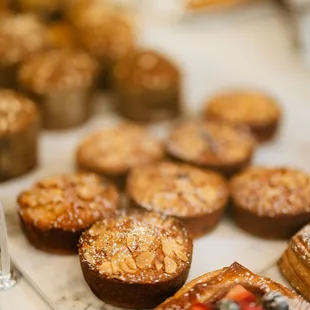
x,y
136,260
19,126
196,197
259,112
55,211
148,86
61,81
113,151
21,35
105,31
211,145
234,288
47,9
271,202
295,262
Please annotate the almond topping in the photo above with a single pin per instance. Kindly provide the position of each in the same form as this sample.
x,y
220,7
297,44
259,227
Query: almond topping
x,y
181,255
106,267
124,267
158,265
145,260
131,263
170,265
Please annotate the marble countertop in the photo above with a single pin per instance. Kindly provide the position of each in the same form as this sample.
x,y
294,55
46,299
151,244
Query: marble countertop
x,y
251,48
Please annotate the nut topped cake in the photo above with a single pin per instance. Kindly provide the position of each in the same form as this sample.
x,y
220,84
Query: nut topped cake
x,y
271,202
196,197
295,262
19,125
255,110
212,145
21,35
114,151
148,86
56,210
136,259
62,81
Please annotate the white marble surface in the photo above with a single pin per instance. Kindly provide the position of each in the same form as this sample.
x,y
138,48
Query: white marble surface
x,y
251,48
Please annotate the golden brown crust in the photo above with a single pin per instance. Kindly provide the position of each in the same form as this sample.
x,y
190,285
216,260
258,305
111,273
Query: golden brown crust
x,y
58,71
271,202
213,286
39,6
16,112
114,151
61,35
295,262
194,196
253,109
65,206
21,35
213,145
142,250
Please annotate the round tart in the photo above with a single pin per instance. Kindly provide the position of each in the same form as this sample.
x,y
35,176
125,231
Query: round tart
x,y
234,288
271,202
196,197
148,86
61,81
114,151
19,126
295,262
212,145
135,260
21,35
259,112
56,210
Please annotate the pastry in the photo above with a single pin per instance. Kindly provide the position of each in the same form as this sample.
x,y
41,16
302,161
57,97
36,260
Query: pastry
x,y
295,262
135,260
113,151
271,202
211,145
234,288
21,35
19,126
148,86
55,211
45,8
61,35
259,112
61,81
196,197
105,31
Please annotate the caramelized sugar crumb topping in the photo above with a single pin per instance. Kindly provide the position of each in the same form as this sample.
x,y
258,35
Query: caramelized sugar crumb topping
x,y
70,202
177,189
242,107
272,191
139,247
58,70
115,150
20,36
210,143
146,70
16,111
300,244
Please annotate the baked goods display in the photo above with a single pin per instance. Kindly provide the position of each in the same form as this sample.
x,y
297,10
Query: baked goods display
x,y
211,145
259,112
148,86
135,260
19,124
271,202
61,81
198,198
234,287
295,262
113,151
56,210
21,35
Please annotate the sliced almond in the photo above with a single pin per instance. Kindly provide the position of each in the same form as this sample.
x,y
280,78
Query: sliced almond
x,y
179,240
131,263
90,258
115,263
170,265
158,265
106,267
132,243
145,260
181,255
124,267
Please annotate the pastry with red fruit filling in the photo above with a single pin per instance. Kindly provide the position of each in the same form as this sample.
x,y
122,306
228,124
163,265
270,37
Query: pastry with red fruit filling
x,y
234,288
